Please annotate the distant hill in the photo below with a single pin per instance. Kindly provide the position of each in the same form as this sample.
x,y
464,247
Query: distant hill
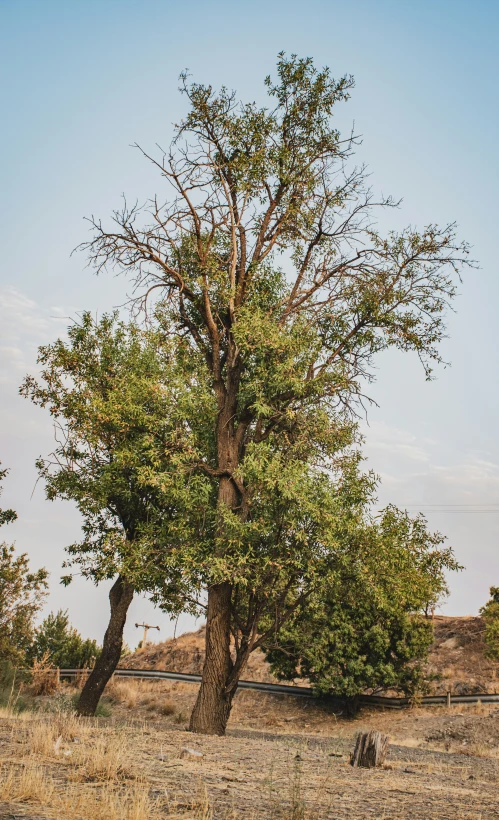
x,y
457,659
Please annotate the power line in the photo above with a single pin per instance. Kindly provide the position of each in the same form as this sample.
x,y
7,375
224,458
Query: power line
x,y
468,509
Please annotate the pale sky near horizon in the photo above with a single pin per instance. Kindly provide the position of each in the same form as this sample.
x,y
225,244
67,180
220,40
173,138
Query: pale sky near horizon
x,y
82,81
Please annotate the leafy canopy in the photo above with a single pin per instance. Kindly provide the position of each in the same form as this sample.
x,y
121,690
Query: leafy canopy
x,y
365,626
124,399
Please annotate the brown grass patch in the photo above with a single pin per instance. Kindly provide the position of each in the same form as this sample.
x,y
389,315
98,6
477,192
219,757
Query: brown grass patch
x,y
123,691
44,677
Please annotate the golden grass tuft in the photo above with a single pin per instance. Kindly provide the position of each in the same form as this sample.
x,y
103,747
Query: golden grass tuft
x,y
44,677
167,708
25,783
34,784
123,691
45,735
102,759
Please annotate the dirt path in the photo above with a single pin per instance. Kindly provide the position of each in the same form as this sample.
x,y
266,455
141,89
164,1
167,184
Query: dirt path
x,y
271,775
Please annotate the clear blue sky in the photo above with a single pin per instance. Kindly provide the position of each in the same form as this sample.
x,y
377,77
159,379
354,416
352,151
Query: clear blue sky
x,y
84,80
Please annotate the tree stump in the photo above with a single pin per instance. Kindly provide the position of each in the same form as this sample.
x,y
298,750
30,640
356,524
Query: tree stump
x,y
370,750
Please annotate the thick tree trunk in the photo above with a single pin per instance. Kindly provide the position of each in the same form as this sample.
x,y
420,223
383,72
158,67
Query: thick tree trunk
x,y
212,709
219,682
120,598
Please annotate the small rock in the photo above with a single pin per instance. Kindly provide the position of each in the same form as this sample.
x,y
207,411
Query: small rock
x,y
407,770
472,777
190,754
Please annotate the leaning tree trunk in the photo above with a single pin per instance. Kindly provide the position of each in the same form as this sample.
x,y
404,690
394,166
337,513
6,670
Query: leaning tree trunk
x,y
120,598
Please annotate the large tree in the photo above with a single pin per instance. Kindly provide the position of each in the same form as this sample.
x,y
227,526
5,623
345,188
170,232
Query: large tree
x,y
118,395
268,256
22,593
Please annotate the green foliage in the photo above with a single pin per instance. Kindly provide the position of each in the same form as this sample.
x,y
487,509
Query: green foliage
x,y
11,681
365,626
6,516
63,643
490,614
280,292
21,597
123,396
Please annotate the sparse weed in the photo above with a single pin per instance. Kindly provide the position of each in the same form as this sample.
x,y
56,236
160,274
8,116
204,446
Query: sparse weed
x,y
123,691
167,708
102,758
44,677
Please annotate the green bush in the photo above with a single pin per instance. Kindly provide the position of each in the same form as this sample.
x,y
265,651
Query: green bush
x,y
63,643
490,614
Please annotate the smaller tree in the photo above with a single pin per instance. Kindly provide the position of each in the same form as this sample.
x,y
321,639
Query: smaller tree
x,y
122,398
490,614
21,596
63,643
365,627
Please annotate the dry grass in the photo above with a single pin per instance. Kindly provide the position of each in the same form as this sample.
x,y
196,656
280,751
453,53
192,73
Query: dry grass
x,y
75,770
123,691
81,768
26,784
103,759
45,735
167,708
44,677
35,784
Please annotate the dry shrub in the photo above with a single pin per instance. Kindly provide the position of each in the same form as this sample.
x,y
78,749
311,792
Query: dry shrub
x,y
44,677
167,708
26,783
101,758
44,736
80,678
125,692
33,784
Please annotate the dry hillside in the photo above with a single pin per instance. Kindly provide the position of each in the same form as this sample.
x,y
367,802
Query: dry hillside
x,y
457,660
186,654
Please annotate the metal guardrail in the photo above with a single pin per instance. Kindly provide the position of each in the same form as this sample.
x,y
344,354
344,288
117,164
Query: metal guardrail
x,y
152,674
298,691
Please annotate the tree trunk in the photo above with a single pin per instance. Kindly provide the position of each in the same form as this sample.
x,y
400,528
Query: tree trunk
x,y
218,685
212,708
370,750
120,598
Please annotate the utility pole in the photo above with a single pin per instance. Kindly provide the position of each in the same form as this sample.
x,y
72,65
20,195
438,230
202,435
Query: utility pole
x,y
146,628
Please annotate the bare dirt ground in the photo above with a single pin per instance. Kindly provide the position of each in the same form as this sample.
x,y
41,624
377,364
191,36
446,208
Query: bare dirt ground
x,y
282,759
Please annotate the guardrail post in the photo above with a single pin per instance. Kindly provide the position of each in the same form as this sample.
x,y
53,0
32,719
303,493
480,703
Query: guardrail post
x,y
448,698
